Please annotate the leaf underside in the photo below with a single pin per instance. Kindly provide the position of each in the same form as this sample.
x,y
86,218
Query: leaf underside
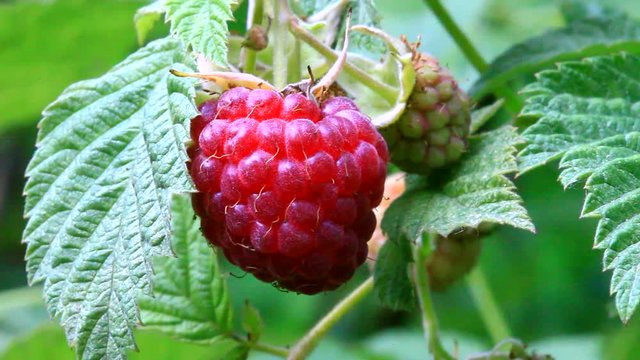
x,y
588,116
202,25
391,276
109,154
590,36
363,12
190,299
476,192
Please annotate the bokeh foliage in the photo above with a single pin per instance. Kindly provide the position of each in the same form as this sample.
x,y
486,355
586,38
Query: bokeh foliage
x,y
550,285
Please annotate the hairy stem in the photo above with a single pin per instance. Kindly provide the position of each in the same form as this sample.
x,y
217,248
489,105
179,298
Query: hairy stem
x,y
310,340
471,53
281,15
262,347
421,253
256,12
487,306
387,92
295,63
270,349
512,101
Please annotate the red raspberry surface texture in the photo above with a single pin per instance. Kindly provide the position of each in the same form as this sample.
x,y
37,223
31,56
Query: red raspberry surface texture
x,y
287,188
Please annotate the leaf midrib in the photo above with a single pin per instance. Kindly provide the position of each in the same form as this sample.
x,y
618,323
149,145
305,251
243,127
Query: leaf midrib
x,y
126,123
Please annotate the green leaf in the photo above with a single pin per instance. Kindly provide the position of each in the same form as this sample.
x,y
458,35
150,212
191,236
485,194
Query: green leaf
x,y
391,276
109,155
146,17
588,117
582,38
252,322
580,103
480,116
477,191
202,25
190,299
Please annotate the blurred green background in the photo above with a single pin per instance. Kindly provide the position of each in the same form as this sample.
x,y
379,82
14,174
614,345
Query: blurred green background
x,y
550,285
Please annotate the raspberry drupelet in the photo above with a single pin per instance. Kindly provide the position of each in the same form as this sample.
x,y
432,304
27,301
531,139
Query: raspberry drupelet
x,y
286,188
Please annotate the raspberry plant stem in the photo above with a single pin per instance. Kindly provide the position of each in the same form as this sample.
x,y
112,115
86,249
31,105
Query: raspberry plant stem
x,y
387,92
421,252
256,11
262,347
281,16
461,39
304,347
512,102
483,297
294,63
487,306
270,349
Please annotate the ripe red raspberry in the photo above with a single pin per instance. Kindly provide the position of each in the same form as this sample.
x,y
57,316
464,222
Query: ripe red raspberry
x,y
287,188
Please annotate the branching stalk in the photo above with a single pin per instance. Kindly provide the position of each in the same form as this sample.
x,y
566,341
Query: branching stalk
x,y
256,13
295,63
262,347
487,306
282,15
310,340
270,349
471,53
387,92
513,103
421,253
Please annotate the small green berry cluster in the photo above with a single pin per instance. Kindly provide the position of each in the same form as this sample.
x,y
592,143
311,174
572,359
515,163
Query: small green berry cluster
x,y
433,130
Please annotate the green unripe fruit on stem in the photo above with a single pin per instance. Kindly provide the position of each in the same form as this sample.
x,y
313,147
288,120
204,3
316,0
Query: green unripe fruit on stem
x,y
451,258
433,130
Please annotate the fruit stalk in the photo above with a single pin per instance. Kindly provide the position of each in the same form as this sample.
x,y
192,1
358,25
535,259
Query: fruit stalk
x,y
256,11
421,252
512,102
263,347
472,54
487,306
295,62
270,349
386,92
282,15
310,340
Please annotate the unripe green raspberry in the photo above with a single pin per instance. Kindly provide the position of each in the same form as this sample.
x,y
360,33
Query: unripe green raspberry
x,y
453,257
433,130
